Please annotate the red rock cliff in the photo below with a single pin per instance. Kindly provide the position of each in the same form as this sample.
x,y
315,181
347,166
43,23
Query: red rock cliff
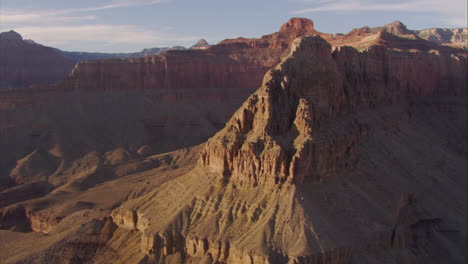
x,y
234,63
278,135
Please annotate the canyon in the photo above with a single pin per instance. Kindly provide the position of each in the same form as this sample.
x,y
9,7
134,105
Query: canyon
x,y
296,147
24,62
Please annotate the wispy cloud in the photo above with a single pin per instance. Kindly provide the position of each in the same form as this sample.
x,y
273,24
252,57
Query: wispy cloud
x,y
81,28
449,11
117,4
101,36
100,33
54,15
15,17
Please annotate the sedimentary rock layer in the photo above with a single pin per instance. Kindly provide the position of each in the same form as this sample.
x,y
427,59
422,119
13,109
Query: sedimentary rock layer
x,y
275,136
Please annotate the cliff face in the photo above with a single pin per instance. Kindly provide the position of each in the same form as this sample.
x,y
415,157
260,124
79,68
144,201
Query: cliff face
x,y
172,71
23,63
169,100
77,56
275,137
233,63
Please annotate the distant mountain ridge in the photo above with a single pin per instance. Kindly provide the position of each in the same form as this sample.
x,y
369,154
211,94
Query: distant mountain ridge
x,y
24,62
454,37
201,44
446,36
80,55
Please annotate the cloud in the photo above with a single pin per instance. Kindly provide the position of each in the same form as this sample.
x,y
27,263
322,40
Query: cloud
x,y
100,36
117,4
449,11
39,17
10,16
80,28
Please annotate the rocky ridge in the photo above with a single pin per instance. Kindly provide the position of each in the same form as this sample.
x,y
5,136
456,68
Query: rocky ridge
x,y
194,81
444,36
24,62
327,162
201,44
295,137
271,137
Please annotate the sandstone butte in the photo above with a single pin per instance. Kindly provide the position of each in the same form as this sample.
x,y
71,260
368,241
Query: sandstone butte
x,y
353,150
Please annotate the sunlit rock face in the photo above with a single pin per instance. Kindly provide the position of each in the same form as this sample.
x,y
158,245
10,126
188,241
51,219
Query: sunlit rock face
x,y
275,136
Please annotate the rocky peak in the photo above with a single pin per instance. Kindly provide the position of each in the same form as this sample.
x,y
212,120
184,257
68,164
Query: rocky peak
x,y
267,139
10,35
201,44
279,134
298,25
397,28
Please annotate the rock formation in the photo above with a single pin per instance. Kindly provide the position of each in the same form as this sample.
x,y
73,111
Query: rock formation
x,y
457,37
342,155
306,155
23,63
77,56
201,44
169,100
158,92
271,137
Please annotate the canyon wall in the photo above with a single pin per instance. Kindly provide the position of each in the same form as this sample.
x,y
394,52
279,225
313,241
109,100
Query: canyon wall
x,y
276,137
166,101
23,63
341,156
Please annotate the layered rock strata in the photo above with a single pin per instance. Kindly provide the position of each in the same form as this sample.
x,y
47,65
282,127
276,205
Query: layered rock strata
x,y
341,156
276,136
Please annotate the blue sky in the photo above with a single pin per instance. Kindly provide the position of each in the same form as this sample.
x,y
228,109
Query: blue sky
x,y
131,25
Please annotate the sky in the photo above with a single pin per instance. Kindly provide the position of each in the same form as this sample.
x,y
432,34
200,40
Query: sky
x,y
132,25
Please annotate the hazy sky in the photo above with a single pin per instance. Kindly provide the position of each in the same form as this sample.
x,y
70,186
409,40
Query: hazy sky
x,y
131,25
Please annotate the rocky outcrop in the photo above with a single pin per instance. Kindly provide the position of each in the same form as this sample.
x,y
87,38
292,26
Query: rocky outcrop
x,y
35,167
11,37
394,36
457,37
397,28
275,137
280,41
201,45
24,192
23,63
